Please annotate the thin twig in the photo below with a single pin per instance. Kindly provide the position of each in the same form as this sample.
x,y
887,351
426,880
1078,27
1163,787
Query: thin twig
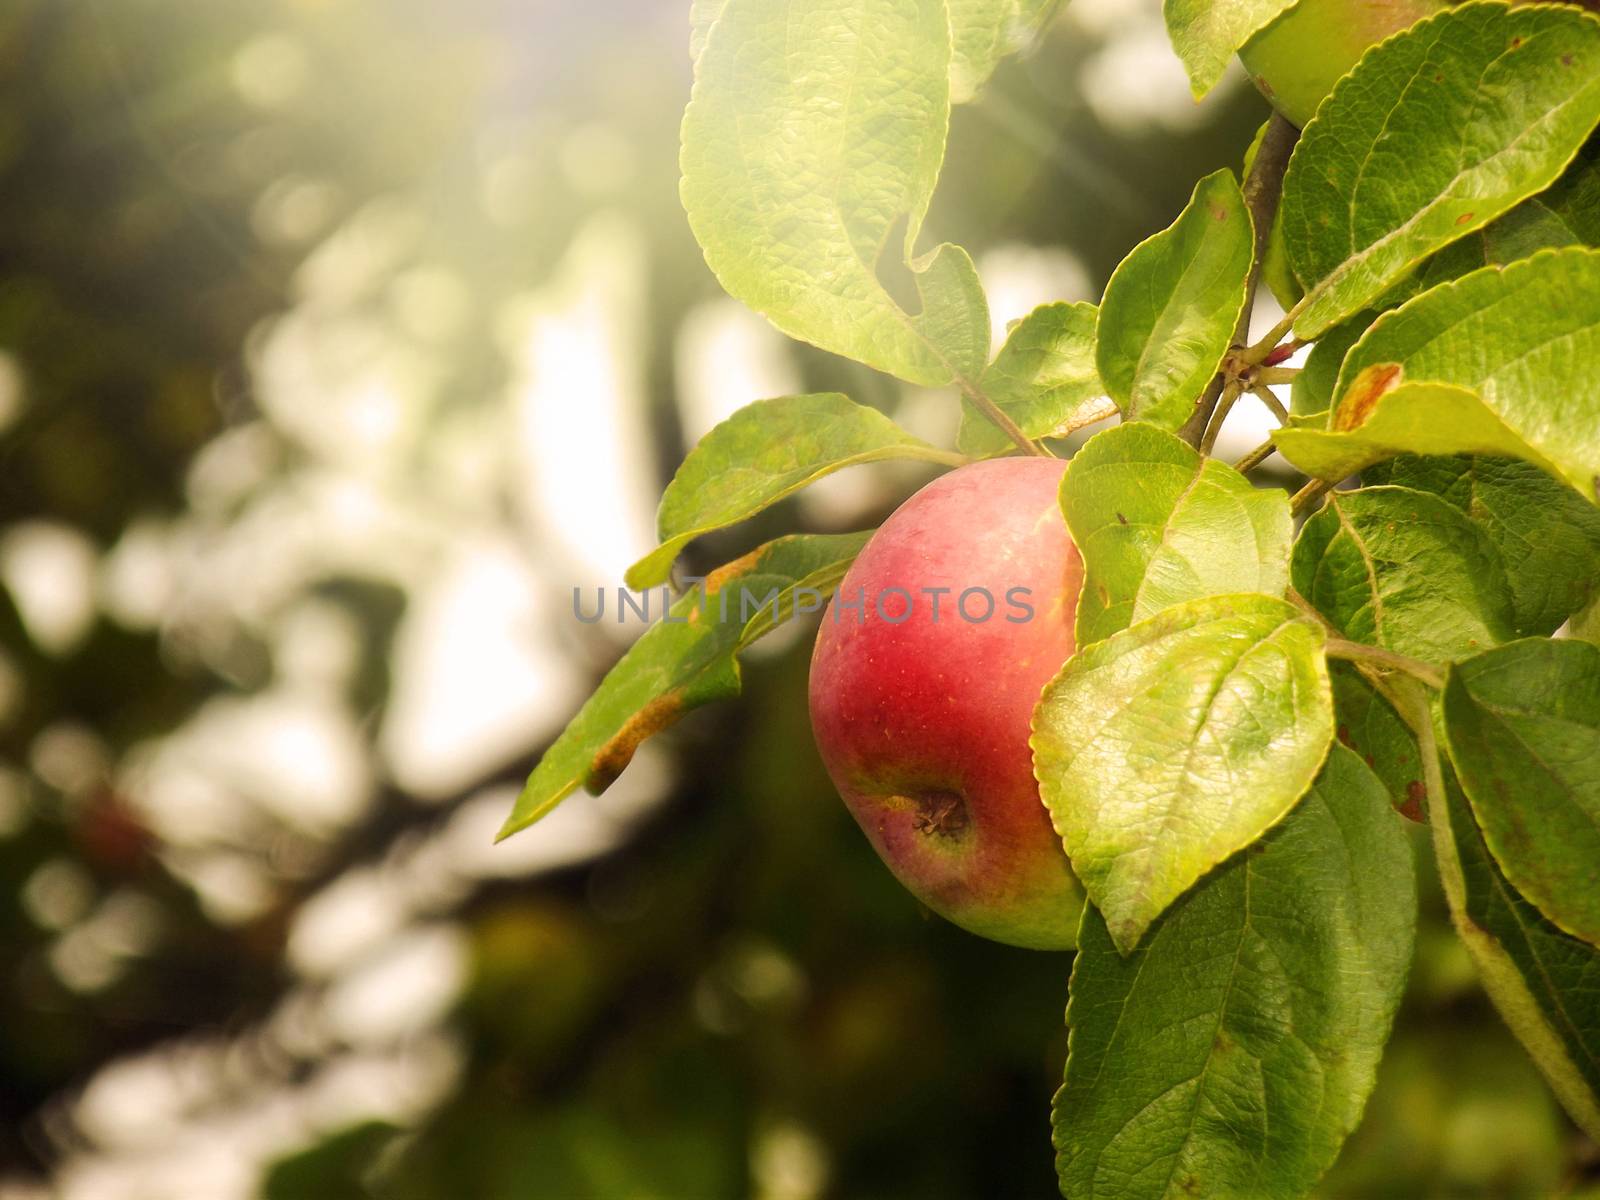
x,y
1256,457
1230,396
1274,405
1308,495
1270,375
1262,188
1264,349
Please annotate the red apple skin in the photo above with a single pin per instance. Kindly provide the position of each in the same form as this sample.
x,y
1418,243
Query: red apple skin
x,y
923,724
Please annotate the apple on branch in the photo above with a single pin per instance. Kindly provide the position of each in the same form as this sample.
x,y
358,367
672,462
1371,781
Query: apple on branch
x,y
924,678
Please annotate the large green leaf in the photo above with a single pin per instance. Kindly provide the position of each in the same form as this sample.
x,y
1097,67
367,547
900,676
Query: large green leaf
x,y
1523,726
682,663
1169,746
764,452
1504,361
1044,379
1548,538
1171,307
1404,570
1436,132
1157,524
1545,983
802,151
1232,1053
1205,33
985,31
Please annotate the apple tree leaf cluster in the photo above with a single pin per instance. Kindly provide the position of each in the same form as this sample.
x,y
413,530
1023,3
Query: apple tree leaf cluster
x,y
1263,683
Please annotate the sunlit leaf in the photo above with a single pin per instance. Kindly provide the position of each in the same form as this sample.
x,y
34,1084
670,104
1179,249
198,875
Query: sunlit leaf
x,y
1171,307
1523,726
682,663
802,154
1044,379
1169,746
764,452
1231,1054
1436,132
1504,361
1157,524
985,31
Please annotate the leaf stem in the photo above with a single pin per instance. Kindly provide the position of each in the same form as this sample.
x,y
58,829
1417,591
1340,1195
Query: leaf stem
x,y
999,418
1270,375
1262,188
1256,457
1309,495
1358,653
1262,350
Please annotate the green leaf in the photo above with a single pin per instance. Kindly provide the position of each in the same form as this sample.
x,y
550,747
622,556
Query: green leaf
x,y
1369,725
764,452
1157,524
985,31
1313,390
680,664
1547,536
1524,231
1169,746
1437,132
1402,569
1504,361
800,157
1545,983
1232,1053
1044,379
1523,727
1171,307
1205,33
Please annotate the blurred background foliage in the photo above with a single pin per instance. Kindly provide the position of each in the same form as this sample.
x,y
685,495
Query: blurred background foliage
x,y
339,341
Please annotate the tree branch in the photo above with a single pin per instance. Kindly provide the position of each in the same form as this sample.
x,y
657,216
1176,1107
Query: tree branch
x,y
1262,189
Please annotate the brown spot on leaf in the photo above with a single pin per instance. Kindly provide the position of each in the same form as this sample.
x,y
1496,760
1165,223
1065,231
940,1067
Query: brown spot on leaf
x,y
1121,520
613,758
1369,387
1416,794
1344,736
1516,41
1464,218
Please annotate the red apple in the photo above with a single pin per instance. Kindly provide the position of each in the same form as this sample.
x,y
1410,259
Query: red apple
x,y
922,716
